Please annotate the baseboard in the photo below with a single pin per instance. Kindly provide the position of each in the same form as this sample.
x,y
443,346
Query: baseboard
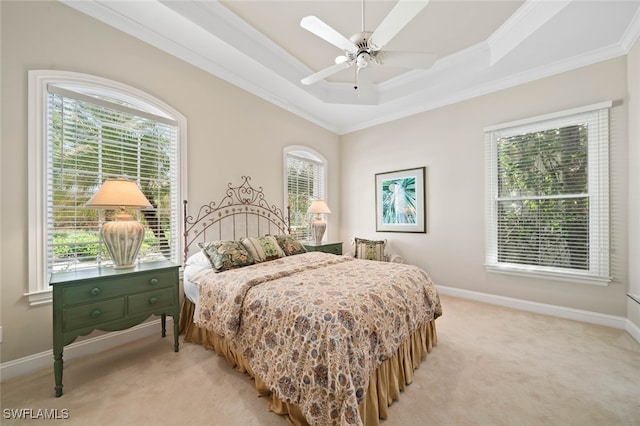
x,y
40,361
633,330
542,308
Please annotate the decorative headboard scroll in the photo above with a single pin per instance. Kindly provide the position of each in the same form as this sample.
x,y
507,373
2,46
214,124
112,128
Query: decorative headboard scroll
x,y
242,212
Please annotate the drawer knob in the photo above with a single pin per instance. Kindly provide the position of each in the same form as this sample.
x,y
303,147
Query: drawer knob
x,y
153,281
95,313
95,291
153,300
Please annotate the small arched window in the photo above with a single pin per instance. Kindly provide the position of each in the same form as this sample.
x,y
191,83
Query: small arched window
x,y
306,180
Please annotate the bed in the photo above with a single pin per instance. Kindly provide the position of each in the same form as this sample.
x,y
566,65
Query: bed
x,y
329,339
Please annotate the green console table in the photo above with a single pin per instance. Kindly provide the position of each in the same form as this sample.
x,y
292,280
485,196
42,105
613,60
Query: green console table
x,y
111,299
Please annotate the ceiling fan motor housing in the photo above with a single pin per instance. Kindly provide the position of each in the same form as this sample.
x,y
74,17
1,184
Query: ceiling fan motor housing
x,y
365,52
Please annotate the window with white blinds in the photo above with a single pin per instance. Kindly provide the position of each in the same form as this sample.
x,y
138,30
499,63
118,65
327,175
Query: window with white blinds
x,y
90,134
547,195
306,181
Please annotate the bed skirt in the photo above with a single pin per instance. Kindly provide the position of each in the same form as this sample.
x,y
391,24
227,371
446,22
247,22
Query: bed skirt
x,y
385,383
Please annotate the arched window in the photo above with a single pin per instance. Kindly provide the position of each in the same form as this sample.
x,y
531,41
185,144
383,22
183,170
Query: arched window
x,y
83,130
306,180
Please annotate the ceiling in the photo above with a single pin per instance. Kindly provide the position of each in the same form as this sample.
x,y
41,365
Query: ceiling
x,y
481,45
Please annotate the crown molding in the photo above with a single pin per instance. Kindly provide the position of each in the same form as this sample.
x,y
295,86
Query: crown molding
x,y
632,34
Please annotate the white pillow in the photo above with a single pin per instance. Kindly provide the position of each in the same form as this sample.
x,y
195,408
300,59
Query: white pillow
x,y
199,259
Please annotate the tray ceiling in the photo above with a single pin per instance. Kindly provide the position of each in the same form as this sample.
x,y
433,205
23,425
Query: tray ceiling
x,y
482,46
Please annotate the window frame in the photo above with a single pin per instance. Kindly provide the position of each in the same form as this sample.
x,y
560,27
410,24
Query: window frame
x,y
313,156
39,290
598,193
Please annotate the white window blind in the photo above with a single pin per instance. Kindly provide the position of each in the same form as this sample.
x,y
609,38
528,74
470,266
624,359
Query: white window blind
x,y
548,203
305,182
94,139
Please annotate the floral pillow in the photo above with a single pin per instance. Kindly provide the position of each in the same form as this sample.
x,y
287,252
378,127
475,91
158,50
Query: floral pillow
x,y
224,255
263,248
290,245
370,249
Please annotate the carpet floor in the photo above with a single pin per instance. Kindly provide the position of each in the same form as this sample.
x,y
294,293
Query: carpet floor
x,y
492,366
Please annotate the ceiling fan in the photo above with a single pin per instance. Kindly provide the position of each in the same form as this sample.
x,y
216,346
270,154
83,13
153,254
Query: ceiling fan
x,y
366,48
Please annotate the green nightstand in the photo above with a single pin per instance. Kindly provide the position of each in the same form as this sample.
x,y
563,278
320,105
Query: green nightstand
x,y
332,247
111,299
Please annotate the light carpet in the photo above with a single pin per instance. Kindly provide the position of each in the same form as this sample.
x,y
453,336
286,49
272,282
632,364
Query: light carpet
x,y
492,366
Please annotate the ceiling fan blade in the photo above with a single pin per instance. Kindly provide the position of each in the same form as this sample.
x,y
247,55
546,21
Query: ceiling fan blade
x,y
407,59
364,82
313,78
327,33
401,14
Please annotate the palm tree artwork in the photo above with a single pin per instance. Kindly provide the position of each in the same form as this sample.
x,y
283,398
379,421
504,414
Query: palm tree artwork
x,y
399,201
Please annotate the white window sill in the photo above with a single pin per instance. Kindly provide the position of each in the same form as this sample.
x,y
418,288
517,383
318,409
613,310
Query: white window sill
x,y
574,277
40,297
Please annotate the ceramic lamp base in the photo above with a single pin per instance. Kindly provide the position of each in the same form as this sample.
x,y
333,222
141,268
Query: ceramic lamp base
x,y
123,238
318,226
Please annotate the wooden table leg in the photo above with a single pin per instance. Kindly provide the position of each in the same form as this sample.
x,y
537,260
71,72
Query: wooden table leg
x,y
57,371
176,331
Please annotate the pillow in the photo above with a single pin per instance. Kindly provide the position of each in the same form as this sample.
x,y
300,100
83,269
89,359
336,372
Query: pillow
x,y
370,249
263,248
290,245
199,259
225,255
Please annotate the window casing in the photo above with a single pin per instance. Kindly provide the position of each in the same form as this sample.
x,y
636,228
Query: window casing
x,y
305,174
82,131
548,196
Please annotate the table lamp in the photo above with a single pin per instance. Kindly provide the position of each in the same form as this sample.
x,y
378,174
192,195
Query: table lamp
x,y
122,236
318,226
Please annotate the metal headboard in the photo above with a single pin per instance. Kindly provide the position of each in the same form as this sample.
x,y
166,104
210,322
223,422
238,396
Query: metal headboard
x,y
242,212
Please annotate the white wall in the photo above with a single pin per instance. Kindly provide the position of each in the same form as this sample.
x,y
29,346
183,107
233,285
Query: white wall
x,y
449,141
231,133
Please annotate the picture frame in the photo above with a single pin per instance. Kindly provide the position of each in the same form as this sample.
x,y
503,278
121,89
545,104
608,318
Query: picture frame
x,y
401,201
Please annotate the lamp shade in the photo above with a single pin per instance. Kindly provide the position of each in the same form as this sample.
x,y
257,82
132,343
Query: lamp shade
x,y
119,193
318,207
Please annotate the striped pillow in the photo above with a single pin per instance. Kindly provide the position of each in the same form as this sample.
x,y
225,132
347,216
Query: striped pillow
x,y
263,248
370,249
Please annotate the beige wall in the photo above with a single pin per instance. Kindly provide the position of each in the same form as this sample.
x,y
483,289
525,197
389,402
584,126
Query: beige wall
x,y
449,141
231,133
634,180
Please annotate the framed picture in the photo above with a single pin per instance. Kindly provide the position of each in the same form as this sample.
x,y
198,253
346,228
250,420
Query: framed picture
x,y
400,201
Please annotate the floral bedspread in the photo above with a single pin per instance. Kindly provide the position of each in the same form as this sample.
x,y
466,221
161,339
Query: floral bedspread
x,y
315,326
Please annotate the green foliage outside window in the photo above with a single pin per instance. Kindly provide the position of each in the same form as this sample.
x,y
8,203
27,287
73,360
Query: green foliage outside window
x,y
543,200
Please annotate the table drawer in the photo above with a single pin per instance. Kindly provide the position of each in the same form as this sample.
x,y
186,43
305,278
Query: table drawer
x,y
333,249
151,301
92,314
104,289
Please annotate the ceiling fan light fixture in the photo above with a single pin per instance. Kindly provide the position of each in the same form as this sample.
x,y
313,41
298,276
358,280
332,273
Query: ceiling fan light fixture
x,y
363,60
